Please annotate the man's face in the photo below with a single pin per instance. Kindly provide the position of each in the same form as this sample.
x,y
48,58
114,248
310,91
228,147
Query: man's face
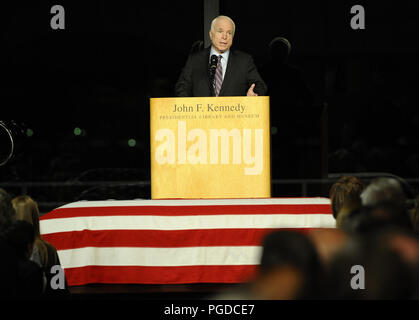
x,y
222,35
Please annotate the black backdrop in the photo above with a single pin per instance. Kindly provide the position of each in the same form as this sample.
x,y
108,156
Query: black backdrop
x,y
99,72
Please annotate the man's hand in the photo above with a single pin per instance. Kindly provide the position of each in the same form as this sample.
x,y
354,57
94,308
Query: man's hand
x,y
250,92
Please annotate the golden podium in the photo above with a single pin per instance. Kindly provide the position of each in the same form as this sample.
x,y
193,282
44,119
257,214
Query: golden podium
x,y
210,147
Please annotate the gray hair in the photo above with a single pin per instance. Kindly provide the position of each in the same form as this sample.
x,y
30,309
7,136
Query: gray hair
x,y
383,190
225,17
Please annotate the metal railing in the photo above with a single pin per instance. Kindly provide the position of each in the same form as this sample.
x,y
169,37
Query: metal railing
x,y
51,195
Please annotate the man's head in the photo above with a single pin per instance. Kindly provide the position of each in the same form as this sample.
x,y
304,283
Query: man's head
x,y
279,49
289,267
222,33
384,190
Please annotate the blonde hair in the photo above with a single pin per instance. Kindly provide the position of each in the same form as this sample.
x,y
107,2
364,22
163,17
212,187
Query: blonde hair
x,y
27,209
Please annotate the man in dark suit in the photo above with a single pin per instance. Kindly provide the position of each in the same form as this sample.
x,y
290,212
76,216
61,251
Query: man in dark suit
x,y
235,74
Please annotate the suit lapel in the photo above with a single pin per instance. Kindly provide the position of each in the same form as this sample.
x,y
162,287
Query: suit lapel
x,y
229,72
205,63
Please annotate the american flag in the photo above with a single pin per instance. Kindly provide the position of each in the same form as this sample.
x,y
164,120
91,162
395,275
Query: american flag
x,y
173,241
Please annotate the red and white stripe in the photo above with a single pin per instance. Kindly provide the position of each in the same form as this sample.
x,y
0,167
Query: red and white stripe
x,y
173,241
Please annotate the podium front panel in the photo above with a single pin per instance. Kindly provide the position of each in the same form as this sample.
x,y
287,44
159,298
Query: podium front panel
x,y
210,147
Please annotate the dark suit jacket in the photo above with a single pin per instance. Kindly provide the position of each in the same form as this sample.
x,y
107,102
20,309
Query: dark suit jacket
x,y
240,74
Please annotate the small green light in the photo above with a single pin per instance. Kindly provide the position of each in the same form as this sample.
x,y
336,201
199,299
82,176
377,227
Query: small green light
x,y
274,130
29,132
77,131
132,142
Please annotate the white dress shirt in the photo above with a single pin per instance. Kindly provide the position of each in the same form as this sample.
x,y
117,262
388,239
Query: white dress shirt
x,y
224,60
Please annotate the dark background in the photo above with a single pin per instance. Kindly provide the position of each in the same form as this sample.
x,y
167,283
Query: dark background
x,y
99,73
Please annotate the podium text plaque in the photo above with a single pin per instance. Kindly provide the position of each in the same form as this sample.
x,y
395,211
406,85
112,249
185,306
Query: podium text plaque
x,y
210,147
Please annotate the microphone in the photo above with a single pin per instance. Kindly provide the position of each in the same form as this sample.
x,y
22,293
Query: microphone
x,y
213,65
214,62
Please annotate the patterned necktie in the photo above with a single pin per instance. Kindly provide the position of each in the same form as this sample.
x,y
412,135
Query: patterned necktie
x,y
218,77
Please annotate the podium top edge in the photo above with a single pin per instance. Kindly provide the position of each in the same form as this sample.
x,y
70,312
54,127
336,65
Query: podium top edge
x,y
220,98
